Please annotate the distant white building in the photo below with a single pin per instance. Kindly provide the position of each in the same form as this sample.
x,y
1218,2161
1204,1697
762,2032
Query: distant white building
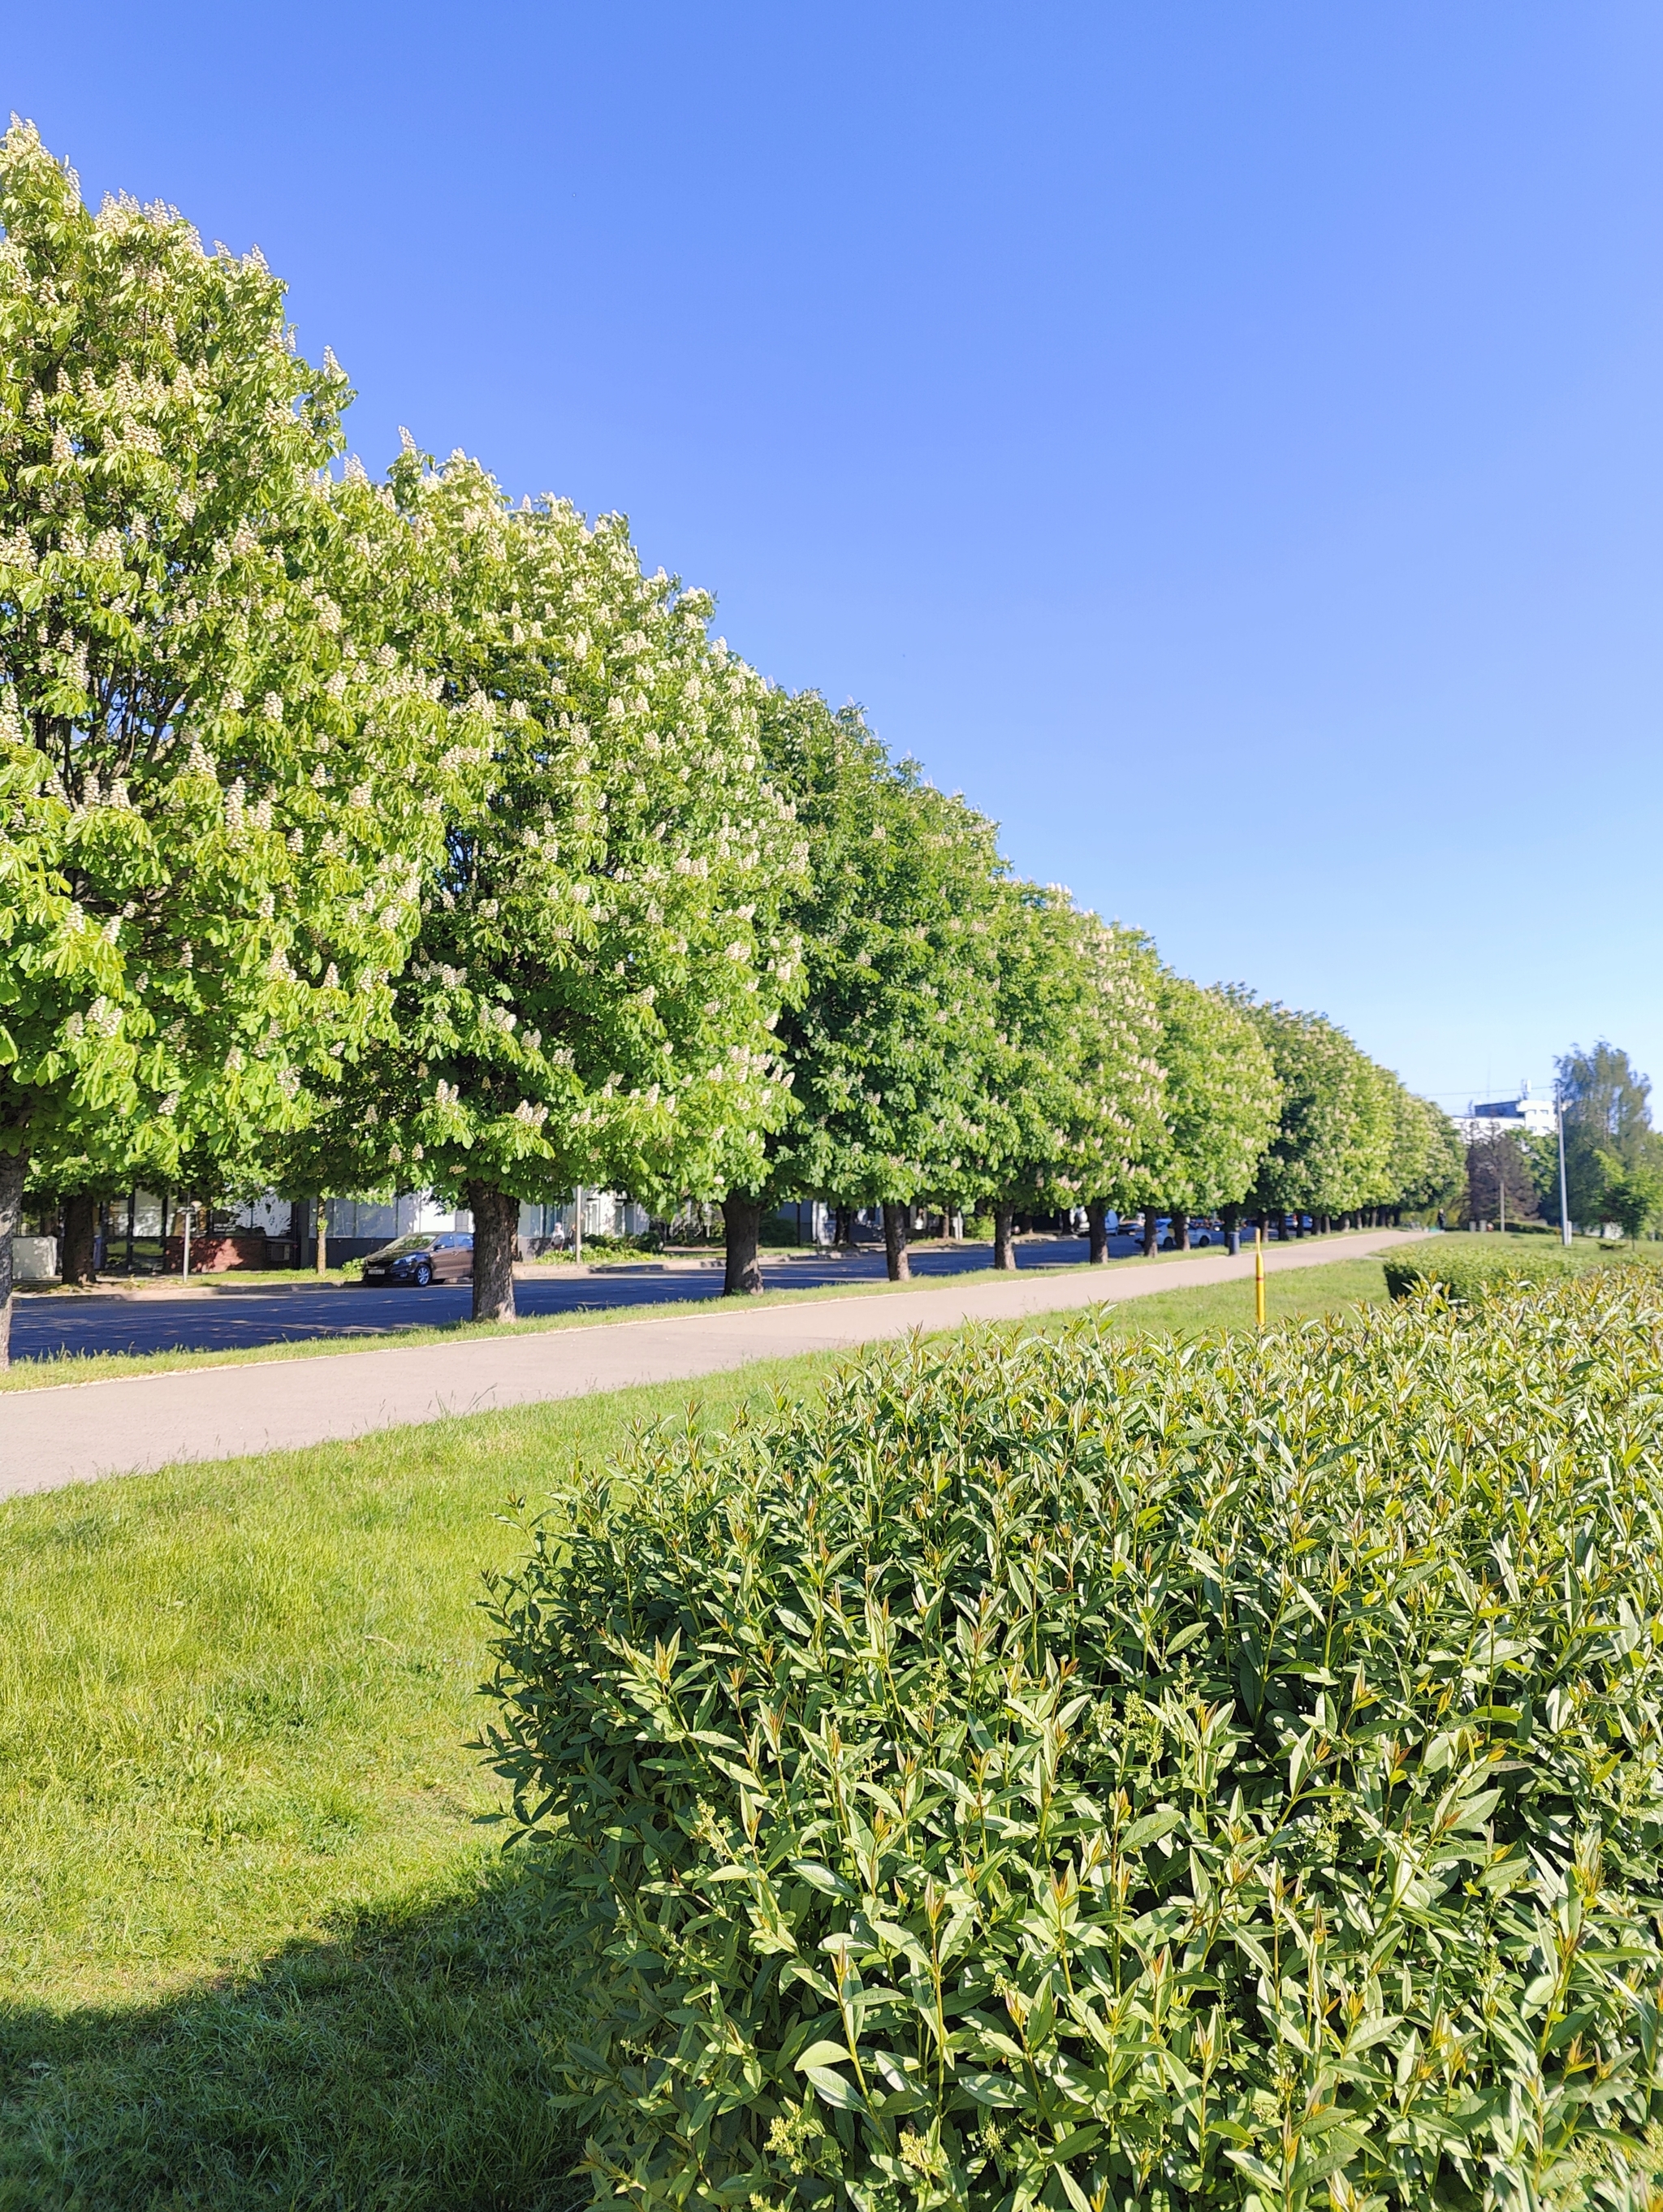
x,y
1523,1116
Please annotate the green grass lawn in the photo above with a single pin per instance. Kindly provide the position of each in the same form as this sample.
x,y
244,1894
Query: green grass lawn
x,y
259,1944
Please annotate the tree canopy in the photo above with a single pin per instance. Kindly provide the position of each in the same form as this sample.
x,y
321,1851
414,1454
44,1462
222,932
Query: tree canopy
x,y
1220,1096
1332,1145
601,954
219,785
1609,1138
892,1033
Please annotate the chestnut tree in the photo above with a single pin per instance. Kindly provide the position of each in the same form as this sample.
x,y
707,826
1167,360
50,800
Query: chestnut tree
x,y
602,955
220,786
888,1035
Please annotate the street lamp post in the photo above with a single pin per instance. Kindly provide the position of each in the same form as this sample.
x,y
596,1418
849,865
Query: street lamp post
x,y
1564,1203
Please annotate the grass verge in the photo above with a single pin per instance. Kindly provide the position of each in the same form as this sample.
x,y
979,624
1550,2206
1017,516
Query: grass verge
x,y
257,1942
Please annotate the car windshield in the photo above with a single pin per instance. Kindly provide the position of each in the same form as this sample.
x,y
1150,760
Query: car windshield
x,y
404,1244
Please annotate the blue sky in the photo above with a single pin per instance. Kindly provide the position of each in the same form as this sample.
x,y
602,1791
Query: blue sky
x,y
1226,442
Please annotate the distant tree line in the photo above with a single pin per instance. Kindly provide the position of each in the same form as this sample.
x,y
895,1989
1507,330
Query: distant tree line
x,y
359,837
1613,1156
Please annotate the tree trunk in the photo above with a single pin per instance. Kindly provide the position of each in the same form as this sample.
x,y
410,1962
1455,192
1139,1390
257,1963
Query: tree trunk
x,y
1097,1216
1005,1236
12,1168
1180,1230
1231,1217
843,1234
496,1232
895,1218
75,1262
742,1218
1151,1232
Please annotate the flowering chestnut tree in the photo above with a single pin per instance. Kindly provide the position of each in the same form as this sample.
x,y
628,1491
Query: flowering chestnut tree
x,y
1075,1095
1331,1150
602,955
889,1040
1220,1099
219,791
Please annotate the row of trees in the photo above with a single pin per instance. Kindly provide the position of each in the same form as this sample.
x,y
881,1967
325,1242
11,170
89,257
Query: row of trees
x,y
361,835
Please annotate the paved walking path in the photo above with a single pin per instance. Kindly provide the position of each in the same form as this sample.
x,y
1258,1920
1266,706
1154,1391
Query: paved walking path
x,y
78,1431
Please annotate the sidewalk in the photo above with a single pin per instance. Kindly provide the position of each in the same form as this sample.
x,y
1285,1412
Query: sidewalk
x,y
76,1432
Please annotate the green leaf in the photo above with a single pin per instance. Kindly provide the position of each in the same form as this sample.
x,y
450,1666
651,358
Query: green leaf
x,y
1149,1829
842,2096
823,2054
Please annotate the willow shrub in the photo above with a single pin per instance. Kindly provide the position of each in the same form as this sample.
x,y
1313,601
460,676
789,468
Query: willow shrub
x,y
1089,1774
1464,1268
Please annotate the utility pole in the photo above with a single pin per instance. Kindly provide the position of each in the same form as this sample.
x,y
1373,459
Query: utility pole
x,y
1564,1203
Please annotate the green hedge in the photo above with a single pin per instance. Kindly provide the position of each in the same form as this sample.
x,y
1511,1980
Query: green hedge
x,y
1084,1774
1462,1266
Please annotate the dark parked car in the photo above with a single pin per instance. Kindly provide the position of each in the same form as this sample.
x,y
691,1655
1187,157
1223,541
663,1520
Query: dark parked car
x,y
444,1255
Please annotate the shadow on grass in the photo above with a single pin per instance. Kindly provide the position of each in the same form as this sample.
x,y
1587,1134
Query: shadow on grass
x,y
406,2065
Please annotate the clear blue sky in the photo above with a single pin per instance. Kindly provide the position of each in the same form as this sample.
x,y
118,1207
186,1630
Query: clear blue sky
x,y
1226,441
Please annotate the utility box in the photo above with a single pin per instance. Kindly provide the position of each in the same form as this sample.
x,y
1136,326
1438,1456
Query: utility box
x,y
34,1259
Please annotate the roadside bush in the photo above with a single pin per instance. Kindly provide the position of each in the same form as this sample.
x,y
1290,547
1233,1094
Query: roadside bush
x,y
1463,1267
1084,1774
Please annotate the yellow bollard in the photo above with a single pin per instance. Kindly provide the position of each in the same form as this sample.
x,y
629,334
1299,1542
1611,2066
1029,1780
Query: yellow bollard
x,y
1259,1274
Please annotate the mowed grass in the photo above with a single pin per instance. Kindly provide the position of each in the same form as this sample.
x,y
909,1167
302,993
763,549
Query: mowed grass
x,y
258,1942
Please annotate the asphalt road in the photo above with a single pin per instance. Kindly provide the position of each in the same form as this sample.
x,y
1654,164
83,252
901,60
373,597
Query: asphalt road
x,y
48,1328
